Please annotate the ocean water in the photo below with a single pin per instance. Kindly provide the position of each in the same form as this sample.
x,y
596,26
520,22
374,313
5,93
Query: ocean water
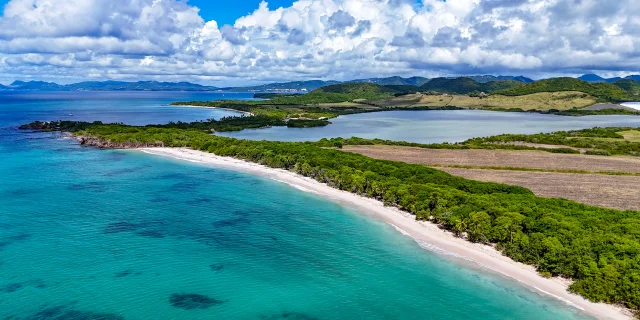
x,y
108,234
436,126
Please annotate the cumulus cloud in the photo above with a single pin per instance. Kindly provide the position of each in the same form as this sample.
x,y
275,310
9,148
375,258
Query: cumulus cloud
x,y
341,19
337,39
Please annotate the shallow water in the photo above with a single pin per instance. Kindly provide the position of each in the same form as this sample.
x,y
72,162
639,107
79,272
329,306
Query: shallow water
x,y
435,126
91,234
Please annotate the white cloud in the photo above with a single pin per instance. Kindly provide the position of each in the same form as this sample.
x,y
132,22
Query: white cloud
x,y
333,39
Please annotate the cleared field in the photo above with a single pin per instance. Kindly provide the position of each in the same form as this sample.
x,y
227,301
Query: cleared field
x,y
500,158
617,192
403,101
610,191
538,101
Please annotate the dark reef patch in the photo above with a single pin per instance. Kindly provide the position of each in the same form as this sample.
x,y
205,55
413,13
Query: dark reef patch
x,y
15,286
67,313
151,234
12,287
185,186
290,316
89,186
199,201
68,149
231,222
21,192
216,267
13,239
118,227
124,171
116,156
193,301
123,274
172,176
159,199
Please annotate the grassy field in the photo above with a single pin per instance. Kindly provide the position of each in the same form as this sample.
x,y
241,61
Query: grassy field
x,y
536,101
601,181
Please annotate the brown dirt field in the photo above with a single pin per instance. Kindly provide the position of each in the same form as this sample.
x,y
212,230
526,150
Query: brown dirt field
x,y
540,145
499,158
539,101
617,192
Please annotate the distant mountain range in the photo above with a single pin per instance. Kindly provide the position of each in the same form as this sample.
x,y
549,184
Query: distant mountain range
x,y
395,81
285,87
107,86
484,83
594,78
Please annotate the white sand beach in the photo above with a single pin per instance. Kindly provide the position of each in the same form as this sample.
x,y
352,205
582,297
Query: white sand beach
x,y
633,105
428,235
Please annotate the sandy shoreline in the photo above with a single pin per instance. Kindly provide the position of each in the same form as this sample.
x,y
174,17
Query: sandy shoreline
x,y
428,235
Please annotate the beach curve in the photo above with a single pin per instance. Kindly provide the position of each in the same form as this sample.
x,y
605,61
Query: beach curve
x,y
426,234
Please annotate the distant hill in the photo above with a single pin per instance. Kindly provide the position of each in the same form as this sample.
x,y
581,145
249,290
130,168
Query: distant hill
x,y
35,85
137,86
465,85
360,89
488,78
602,91
594,78
336,93
293,86
109,86
395,81
635,77
403,89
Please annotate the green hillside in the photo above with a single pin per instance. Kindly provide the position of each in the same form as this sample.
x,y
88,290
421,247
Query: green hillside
x,y
603,91
354,88
631,87
464,85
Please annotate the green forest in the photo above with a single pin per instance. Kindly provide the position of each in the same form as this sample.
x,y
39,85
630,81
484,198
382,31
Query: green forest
x,y
598,248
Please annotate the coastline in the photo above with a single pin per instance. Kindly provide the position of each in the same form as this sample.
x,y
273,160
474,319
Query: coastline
x,y
427,234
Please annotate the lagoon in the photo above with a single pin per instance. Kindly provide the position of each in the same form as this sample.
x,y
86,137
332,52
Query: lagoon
x,y
435,126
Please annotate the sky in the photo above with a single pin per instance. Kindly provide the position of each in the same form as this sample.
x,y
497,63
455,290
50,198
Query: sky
x,y
237,42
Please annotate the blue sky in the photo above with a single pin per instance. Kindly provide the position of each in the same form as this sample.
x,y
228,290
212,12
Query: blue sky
x,y
226,13
231,10
235,42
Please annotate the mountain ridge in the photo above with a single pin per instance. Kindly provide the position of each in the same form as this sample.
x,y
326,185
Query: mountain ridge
x,y
108,85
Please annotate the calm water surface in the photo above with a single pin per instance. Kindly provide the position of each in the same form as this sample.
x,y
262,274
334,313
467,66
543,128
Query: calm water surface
x,y
90,234
435,126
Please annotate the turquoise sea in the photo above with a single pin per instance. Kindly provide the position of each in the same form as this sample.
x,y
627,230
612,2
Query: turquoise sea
x,y
91,234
